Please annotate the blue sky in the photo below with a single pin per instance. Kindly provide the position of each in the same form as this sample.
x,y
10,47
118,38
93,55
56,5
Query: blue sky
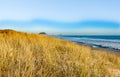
x,y
61,16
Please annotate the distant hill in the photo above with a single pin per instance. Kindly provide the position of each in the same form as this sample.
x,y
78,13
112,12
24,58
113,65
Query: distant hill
x,y
43,33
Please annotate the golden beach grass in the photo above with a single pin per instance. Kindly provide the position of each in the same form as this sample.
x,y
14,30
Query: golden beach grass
x,y
33,55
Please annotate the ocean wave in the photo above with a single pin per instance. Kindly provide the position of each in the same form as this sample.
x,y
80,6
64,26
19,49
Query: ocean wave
x,y
102,43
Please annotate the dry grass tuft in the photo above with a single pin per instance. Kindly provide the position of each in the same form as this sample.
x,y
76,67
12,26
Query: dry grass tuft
x,y
32,55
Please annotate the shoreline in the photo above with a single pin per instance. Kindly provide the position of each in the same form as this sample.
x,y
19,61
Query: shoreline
x,y
94,45
98,49
99,46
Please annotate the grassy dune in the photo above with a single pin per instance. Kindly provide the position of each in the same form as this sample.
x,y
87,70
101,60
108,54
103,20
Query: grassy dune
x,y
32,55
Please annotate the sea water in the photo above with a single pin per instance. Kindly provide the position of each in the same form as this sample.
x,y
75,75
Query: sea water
x,y
111,42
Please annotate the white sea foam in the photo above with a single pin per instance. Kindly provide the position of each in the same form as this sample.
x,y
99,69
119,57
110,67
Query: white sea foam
x,y
111,43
